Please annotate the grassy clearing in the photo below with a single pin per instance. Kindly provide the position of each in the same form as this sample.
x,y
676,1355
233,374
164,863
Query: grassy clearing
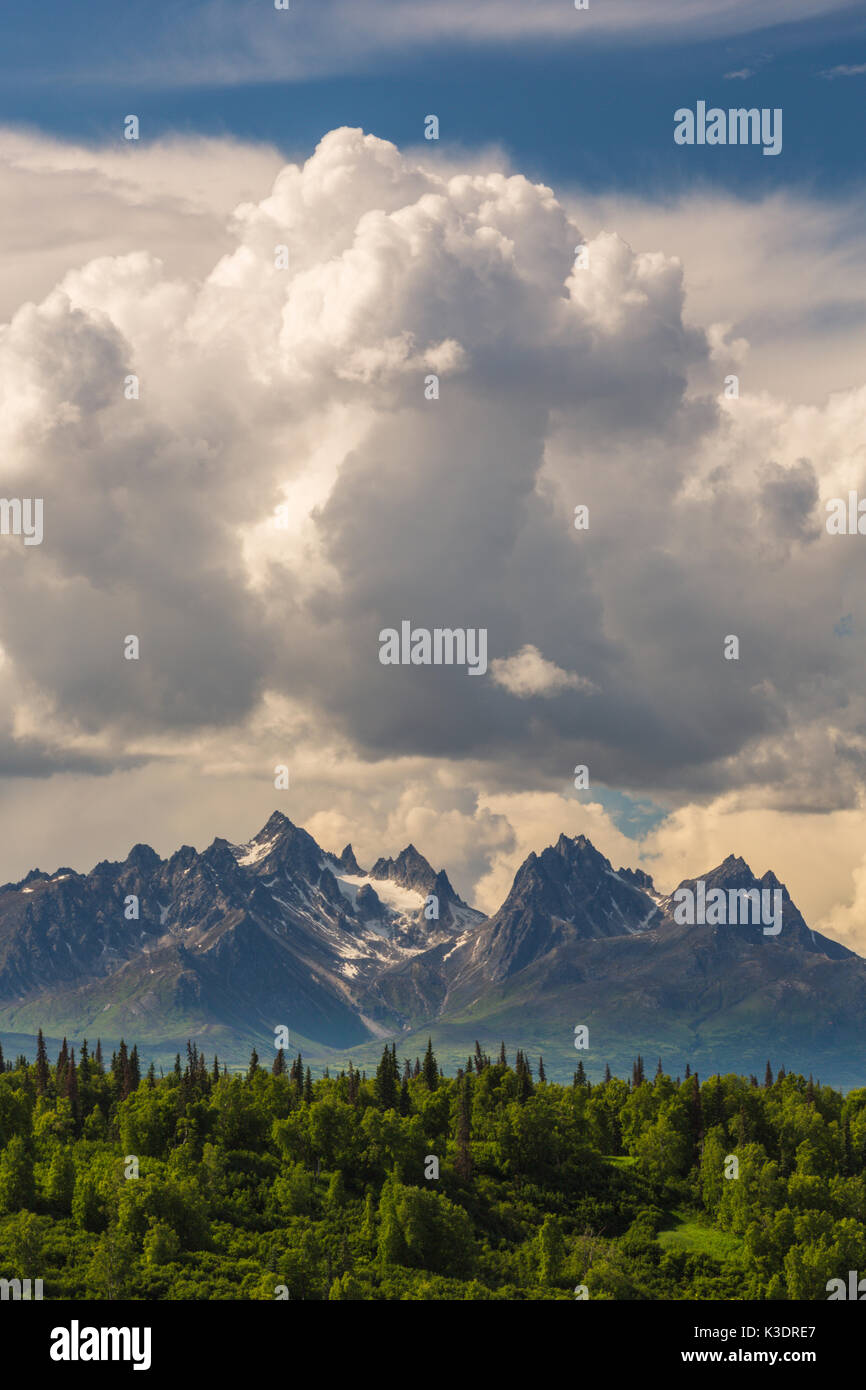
x,y
696,1238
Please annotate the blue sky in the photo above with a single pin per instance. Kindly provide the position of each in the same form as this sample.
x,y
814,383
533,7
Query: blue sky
x,y
594,108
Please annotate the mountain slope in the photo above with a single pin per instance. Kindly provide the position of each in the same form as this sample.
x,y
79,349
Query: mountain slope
x,y
228,944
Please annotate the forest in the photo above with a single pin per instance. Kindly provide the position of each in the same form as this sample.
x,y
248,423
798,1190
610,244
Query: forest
x,y
411,1185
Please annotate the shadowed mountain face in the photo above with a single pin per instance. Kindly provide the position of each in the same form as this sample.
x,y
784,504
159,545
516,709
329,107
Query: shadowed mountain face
x,y
233,942
229,944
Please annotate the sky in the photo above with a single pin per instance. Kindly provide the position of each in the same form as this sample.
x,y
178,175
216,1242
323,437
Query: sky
x,y
282,490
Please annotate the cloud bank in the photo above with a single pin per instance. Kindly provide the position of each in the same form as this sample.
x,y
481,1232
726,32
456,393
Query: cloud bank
x,y
288,483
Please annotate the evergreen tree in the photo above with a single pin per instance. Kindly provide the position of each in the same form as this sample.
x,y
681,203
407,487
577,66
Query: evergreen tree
x,y
60,1069
696,1118
503,1060
254,1065
385,1083
215,1074
120,1066
41,1065
768,1077
405,1098
659,1071
308,1087
524,1077
279,1066
541,1075
178,1074
151,1077
607,1076
463,1159
580,1074
134,1069
479,1058
100,1069
71,1087
431,1071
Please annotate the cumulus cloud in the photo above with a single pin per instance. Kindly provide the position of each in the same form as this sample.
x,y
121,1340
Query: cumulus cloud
x,y
527,673
285,486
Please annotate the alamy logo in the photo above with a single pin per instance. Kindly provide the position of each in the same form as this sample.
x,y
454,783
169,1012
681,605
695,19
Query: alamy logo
x,y
22,516
856,1288
76,1343
847,520
444,646
737,906
738,126
14,1289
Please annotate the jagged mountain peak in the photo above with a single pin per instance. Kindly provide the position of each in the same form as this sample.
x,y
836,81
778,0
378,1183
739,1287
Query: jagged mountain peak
x,y
347,861
410,870
143,857
567,894
281,844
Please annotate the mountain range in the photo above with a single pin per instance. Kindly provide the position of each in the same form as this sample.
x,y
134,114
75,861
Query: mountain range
x,y
227,945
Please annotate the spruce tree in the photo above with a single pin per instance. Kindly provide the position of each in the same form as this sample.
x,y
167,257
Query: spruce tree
x,y
41,1065
308,1087
100,1069
503,1060
463,1158
768,1077
279,1066
431,1071
541,1075
385,1082
71,1087
254,1065
120,1066
696,1118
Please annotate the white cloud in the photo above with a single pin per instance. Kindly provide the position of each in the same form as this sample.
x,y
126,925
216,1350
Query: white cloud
x,y
559,385
215,42
527,674
845,70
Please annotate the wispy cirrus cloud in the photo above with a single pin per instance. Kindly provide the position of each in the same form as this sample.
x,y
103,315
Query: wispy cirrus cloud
x,y
846,70
217,43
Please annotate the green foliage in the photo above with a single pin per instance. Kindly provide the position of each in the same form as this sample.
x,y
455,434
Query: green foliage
x,y
249,1185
